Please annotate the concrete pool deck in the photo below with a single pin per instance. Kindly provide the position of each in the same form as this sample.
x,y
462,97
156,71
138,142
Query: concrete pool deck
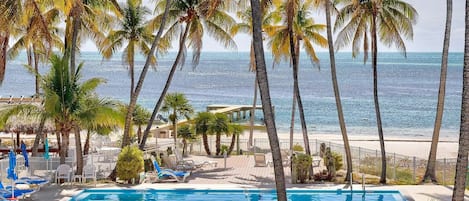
x,y
241,173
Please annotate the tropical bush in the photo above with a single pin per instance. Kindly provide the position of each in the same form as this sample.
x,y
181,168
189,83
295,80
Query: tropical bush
x,y
298,148
129,163
302,163
338,160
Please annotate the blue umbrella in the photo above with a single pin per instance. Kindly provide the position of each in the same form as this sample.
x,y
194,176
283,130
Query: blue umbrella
x,y
46,149
11,168
25,154
11,171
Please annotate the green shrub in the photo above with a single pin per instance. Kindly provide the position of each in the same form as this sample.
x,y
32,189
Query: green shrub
x,y
129,163
302,162
223,149
338,160
298,148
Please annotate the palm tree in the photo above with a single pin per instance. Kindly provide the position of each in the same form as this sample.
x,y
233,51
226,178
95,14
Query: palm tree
x,y
133,31
461,164
219,125
190,19
393,20
92,16
266,101
235,131
185,132
15,14
245,26
430,172
285,42
38,45
140,117
329,6
202,121
177,105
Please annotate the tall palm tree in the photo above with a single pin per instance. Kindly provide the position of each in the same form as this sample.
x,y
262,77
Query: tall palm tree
x,y
38,45
392,20
133,31
430,172
245,26
328,7
63,96
189,20
138,87
299,28
219,125
461,164
20,13
202,121
261,74
177,105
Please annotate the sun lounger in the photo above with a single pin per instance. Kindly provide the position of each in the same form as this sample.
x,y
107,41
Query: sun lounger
x,y
259,159
162,174
6,191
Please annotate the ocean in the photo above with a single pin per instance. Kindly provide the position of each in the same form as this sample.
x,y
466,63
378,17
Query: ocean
x,y
408,88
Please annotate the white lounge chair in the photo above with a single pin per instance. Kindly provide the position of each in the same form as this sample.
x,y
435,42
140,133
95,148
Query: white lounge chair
x,y
64,171
259,159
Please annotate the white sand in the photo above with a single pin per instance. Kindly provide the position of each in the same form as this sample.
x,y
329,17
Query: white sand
x,y
418,147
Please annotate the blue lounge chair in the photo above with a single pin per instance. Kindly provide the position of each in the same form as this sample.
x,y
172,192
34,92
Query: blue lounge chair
x,y
32,180
6,191
165,173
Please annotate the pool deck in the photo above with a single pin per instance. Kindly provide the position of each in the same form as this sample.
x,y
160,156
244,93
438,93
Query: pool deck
x,y
240,173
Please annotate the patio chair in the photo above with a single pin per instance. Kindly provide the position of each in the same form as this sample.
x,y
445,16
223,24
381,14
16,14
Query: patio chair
x,y
64,171
259,159
180,176
88,173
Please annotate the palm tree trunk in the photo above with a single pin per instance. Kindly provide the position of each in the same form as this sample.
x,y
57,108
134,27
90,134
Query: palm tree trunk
x,y
36,70
335,85
461,164
76,28
218,144
430,172
139,133
39,135
292,120
29,55
166,86
138,88
79,154
64,146
4,38
253,114
296,88
86,148
374,58
233,140
206,146
266,101
175,131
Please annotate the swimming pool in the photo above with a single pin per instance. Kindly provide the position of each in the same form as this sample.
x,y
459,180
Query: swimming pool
x,y
240,194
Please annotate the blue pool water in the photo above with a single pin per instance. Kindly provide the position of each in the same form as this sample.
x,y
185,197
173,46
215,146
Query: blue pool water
x,y
238,195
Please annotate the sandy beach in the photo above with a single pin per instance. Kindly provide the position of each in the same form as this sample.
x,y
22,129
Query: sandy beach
x,y
418,146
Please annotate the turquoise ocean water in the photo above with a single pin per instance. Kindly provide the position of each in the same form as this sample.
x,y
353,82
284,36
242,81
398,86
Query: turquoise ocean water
x,y
408,88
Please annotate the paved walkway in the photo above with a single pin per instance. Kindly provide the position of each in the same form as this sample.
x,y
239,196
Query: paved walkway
x,y
241,173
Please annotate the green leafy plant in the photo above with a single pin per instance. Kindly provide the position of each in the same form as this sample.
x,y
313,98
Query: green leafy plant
x,y
224,148
298,148
129,163
338,160
302,162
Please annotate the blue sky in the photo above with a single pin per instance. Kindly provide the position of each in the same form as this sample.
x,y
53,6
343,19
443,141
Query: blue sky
x,y
428,32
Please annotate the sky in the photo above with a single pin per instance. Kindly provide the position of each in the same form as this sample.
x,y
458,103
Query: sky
x,y
428,31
